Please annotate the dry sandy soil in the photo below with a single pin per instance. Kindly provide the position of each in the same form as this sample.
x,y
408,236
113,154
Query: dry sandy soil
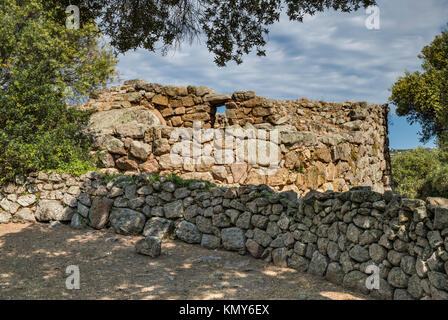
x,y
34,258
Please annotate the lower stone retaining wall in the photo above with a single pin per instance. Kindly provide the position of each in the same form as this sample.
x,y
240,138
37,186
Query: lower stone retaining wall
x,y
339,236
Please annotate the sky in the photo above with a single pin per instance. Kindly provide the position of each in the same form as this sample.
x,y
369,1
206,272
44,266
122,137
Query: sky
x,y
331,56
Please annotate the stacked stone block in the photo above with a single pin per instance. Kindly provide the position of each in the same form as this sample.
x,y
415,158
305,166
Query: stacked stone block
x,y
336,235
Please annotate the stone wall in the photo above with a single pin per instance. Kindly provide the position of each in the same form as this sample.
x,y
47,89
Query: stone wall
x,y
321,146
336,235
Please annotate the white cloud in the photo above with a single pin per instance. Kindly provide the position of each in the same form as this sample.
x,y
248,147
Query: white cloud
x,y
331,56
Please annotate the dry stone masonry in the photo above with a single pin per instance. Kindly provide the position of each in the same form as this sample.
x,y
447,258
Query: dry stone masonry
x,y
336,235
321,146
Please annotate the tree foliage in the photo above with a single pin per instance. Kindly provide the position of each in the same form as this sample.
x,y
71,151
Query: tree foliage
x,y
42,66
232,28
410,170
423,96
421,173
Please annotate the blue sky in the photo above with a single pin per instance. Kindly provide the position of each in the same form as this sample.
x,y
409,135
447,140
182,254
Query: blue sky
x,y
332,56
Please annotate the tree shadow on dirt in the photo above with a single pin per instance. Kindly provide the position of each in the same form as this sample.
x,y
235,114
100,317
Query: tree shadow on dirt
x,y
34,258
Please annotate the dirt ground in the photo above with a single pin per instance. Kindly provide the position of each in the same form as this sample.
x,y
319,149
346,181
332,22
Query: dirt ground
x,y
34,258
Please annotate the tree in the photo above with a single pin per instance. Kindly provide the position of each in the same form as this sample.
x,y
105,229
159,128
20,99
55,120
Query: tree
x,y
423,96
232,28
410,170
42,66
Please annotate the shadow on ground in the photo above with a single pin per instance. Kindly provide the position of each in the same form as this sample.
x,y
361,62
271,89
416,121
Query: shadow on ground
x,y
34,258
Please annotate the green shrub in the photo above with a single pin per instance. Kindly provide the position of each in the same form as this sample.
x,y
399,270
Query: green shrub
x,y
410,170
43,66
436,185
420,173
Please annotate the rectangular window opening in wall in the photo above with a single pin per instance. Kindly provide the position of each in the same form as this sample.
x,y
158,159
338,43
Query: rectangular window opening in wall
x,y
221,109
218,115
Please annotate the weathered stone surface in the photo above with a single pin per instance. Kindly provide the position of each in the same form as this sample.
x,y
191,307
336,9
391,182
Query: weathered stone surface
x,y
233,239
188,232
78,222
335,273
333,251
135,120
359,253
438,280
126,164
394,257
279,257
5,217
441,218
26,200
377,253
408,265
127,221
299,263
174,209
421,268
150,246
158,227
353,233
24,214
140,150
113,145
254,248
99,212
414,287
262,237
401,294
318,264
385,291
397,278
48,210
210,242
356,280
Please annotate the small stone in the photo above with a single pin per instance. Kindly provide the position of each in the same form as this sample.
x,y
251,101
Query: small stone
x,y
377,253
397,278
54,224
254,248
127,221
5,217
359,253
318,264
174,209
24,214
434,238
262,237
99,212
401,294
356,280
48,210
188,232
279,257
26,200
233,239
335,273
414,287
408,265
210,242
78,222
158,227
438,280
150,246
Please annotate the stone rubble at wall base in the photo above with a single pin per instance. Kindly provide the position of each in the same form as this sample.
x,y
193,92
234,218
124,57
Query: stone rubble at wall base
x,y
331,234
